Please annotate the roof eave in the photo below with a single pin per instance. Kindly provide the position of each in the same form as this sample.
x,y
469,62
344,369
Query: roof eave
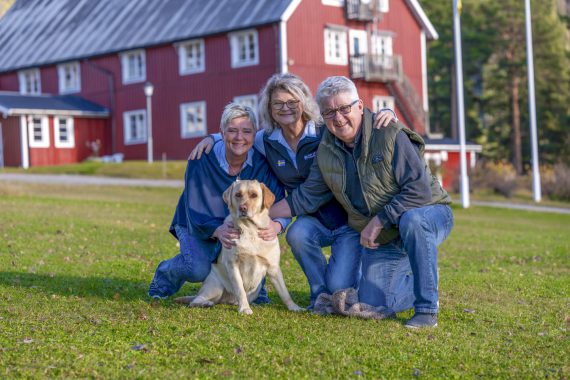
x,y
422,18
52,112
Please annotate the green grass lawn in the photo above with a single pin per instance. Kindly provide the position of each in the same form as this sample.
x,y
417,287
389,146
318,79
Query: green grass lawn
x,y
75,264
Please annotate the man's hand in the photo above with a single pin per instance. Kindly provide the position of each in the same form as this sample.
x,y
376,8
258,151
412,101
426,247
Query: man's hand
x,y
226,234
383,118
270,232
370,233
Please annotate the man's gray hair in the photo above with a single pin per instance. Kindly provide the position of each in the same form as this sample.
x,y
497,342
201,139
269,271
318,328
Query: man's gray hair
x,y
336,85
235,111
296,87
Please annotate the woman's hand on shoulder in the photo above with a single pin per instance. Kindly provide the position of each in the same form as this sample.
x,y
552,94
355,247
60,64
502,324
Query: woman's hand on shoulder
x,y
204,146
384,117
227,234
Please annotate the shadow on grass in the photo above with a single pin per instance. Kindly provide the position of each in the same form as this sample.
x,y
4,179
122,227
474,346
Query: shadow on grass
x,y
66,285
105,287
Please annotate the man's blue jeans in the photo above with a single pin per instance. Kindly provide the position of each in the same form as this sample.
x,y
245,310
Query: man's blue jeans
x,y
403,273
192,264
306,237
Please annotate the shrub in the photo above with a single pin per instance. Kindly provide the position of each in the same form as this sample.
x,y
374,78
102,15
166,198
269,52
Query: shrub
x,y
499,177
555,181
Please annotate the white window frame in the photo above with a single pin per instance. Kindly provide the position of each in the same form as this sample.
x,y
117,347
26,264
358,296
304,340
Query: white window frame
x,y
384,6
382,49
133,77
237,44
44,130
142,128
362,37
382,101
73,69
199,64
333,3
247,100
336,49
201,127
32,78
69,124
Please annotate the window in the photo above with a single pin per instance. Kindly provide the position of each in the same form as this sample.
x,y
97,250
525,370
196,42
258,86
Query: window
x,y
134,126
381,45
245,48
383,6
247,100
379,102
133,66
335,47
193,120
64,133
38,131
30,83
191,57
69,78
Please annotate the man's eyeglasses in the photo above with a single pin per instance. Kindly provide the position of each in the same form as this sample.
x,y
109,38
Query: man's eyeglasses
x,y
292,104
344,110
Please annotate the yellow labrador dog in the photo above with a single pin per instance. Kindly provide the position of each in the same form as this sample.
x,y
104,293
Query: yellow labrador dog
x,y
236,277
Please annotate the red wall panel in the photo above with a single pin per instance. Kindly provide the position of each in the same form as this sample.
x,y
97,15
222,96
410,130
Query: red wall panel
x,y
11,141
9,82
85,129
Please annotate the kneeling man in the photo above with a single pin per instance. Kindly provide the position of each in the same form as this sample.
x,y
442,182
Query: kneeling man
x,y
400,209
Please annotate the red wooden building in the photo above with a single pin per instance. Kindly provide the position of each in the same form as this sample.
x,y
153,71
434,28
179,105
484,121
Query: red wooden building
x,y
198,55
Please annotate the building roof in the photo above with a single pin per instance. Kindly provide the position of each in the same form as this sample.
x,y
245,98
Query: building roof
x,y
12,103
38,32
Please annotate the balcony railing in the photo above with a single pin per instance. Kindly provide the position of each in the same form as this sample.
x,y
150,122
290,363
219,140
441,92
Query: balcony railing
x,y
376,68
359,10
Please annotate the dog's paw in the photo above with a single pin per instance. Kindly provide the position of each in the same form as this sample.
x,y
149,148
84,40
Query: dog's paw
x,y
186,300
295,307
246,311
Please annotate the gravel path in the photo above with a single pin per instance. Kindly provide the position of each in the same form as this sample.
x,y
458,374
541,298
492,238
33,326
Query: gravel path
x,y
110,181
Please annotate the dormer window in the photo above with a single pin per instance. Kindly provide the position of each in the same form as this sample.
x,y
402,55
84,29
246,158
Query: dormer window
x,y
69,78
133,65
245,48
30,83
191,57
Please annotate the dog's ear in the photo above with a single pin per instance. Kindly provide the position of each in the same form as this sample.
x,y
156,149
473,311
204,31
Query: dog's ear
x,y
227,196
268,197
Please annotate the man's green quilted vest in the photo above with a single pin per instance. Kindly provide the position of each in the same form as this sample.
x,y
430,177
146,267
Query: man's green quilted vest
x,y
375,172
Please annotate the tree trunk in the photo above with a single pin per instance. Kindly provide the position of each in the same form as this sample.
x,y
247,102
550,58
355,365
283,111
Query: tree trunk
x,y
454,109
516,143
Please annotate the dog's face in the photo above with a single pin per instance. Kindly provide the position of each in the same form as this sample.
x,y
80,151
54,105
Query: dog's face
x,y
245,199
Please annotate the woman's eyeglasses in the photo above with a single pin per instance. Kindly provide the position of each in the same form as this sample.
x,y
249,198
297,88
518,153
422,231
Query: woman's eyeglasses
x,y
344,110
291,104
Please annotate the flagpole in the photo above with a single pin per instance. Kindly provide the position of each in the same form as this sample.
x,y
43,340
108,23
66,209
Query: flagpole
x,y
532,107
460,106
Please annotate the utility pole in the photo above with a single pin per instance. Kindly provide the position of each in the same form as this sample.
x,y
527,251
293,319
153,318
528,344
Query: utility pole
x,y
460,105
532,107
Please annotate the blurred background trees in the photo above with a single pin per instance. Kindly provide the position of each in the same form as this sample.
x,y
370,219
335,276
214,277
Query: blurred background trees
x,y
495,72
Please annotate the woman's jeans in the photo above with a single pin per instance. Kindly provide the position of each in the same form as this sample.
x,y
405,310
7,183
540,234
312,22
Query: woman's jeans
x,y
403,273
192,264
306,237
